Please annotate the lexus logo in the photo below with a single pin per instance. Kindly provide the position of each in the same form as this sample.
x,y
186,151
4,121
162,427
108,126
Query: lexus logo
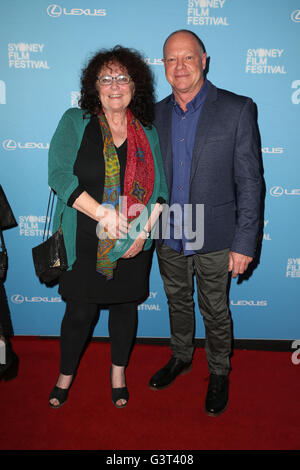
x,y
9,144
276,191
295,16
17,299
54,10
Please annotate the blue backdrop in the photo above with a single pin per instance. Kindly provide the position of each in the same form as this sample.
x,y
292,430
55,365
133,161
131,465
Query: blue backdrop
x,y
254,51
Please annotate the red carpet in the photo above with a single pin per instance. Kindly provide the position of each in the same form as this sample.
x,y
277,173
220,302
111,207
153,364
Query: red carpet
x,y
263,412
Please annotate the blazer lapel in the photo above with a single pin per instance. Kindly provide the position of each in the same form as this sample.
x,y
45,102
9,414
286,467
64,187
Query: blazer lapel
x,y
167,143
204,124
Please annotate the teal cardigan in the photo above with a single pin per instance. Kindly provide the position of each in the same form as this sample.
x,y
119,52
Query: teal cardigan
x,y
64,146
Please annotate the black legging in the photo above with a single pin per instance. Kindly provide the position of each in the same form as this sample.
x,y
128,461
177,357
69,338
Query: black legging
x,y
77,327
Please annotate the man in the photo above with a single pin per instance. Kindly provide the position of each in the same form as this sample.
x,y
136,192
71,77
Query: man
x,y
210,147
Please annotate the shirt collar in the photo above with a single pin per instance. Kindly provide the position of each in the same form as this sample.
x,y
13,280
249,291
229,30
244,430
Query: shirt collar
x,y
194,104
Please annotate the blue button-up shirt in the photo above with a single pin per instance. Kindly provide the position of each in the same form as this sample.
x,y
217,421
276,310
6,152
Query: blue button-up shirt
x,y
184,127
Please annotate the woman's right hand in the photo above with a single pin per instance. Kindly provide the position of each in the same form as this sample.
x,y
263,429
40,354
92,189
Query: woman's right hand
x,y
114,223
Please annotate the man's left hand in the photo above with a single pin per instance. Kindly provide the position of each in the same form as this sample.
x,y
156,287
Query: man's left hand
x,y
135,248
238,263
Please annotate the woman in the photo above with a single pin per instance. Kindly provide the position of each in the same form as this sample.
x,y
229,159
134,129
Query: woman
x,y
104,150
9,361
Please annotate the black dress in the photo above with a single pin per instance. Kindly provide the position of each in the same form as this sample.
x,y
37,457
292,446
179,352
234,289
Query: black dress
x,y
131,277
6,328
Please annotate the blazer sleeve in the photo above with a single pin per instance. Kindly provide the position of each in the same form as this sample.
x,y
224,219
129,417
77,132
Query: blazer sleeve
x,y
248,181
63,150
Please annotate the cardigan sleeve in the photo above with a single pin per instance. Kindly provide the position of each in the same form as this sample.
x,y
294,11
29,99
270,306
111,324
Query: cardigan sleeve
x,y
63,150
75,194
163,189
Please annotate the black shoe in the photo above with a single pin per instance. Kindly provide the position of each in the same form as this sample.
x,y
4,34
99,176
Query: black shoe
x,y
9,370
217,395
60,394
166,376
119,393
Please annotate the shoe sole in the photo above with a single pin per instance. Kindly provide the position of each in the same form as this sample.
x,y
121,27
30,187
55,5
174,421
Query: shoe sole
x,y
120,406
216,414
55,407
184,372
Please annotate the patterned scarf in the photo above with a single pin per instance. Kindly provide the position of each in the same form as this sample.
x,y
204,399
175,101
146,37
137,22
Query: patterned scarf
x,y
138,182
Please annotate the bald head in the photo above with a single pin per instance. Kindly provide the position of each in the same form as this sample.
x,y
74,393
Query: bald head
x,y
185,31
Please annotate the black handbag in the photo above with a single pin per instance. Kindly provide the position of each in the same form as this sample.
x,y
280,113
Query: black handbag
x,y
7,219
50,257
3,258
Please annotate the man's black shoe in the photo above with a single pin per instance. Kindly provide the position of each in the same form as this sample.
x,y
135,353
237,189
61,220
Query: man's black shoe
x,y
166,376
217,395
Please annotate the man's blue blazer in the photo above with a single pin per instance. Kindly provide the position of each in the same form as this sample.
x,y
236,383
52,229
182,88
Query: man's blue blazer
x,y
226,170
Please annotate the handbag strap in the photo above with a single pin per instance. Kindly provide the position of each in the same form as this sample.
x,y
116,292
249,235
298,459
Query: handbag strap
x,y
3,247
50,206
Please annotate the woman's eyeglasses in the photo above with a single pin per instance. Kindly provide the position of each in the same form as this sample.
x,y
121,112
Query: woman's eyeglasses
x,y
107,80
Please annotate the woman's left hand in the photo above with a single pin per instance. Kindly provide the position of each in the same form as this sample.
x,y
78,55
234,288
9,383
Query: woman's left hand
x,y
135,248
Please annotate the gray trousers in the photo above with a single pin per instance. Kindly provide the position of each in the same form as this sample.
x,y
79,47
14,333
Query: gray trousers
x,y
211,272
